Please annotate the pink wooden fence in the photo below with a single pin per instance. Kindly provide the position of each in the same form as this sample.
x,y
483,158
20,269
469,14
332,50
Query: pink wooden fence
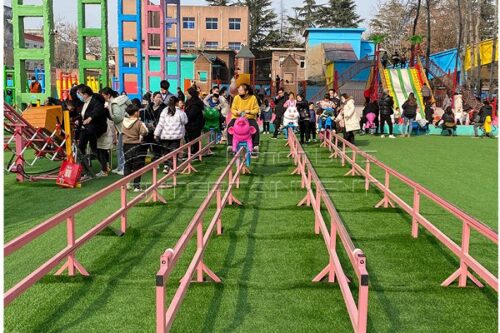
x,y
168,260
68,215
337,146
316,197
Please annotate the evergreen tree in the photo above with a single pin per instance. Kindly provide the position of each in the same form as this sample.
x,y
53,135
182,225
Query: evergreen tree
x,y
340,14
263,21
306,16
218,2
487,26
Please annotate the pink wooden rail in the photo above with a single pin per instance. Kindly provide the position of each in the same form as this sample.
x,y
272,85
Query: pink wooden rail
x,y
315,198
68,215
168,260
337,145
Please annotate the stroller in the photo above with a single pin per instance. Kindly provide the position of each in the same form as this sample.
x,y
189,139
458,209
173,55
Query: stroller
x,y
369,126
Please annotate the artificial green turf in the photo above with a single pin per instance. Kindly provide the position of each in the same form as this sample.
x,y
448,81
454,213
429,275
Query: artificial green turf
x,y
268,253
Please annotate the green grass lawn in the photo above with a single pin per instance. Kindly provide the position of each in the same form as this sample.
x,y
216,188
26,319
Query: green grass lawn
x,y
268,253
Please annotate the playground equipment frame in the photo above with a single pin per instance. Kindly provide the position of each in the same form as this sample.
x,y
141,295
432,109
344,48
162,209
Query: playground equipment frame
x,y
315,198
169,258
68,215
338,149
85,32
22,54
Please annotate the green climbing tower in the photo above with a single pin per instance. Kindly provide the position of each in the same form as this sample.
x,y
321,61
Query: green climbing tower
x,y
94,32
22,54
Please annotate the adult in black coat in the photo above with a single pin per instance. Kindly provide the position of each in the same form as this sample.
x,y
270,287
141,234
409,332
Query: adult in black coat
x,y
194,113
385,105
304,117
150,117
485,111
93,123
279,111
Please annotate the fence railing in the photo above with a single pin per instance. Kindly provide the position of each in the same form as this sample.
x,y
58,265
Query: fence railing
x,y
68,215
316,197
168,260
337,146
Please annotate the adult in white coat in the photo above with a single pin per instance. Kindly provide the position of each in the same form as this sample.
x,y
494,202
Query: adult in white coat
x,y
351,117
117,104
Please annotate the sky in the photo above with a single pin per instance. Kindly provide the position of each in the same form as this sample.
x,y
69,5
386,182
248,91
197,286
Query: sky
x,y
66,10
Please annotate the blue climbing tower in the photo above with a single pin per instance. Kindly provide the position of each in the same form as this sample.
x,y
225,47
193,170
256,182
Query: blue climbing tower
x,y
130,70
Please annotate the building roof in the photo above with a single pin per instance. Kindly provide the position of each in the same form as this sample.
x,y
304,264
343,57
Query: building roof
x,y
212,59
337,51
287,49
33,38
359,30
288,59
245,53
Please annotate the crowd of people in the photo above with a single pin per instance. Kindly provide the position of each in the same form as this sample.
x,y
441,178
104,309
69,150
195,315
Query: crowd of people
x,y
152,127
156,125
396,60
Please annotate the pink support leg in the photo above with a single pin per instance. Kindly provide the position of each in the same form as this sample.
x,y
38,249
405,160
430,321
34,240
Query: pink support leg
x,y
317,204
463,273
174,169
353,171
155,196
71,262
415,212
219,207
367,175
123,219
202,268
199,246
342,155
189,168
386,201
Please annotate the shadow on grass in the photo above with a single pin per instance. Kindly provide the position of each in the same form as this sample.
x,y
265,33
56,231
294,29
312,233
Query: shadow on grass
x,y
108,259
242,306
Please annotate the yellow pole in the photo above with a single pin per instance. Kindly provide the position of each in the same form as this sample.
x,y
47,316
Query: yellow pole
x,y
67,132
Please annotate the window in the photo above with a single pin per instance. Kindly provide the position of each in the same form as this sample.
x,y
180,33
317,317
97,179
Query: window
x,y
188,44
212,45
188,22
302,62
212,23
153,20
234,24
235,46
154,41
203,76
288,78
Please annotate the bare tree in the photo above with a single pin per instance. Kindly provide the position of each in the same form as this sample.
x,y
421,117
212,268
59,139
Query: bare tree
x,y
393,20
415,23
428,50
460,33
493,53
66,50
477,41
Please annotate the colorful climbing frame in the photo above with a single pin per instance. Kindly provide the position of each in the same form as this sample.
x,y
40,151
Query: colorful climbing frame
x,y
22,54
99,65
129,13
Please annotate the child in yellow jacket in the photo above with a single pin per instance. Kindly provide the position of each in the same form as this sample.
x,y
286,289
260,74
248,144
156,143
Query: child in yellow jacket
x,y
246,104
